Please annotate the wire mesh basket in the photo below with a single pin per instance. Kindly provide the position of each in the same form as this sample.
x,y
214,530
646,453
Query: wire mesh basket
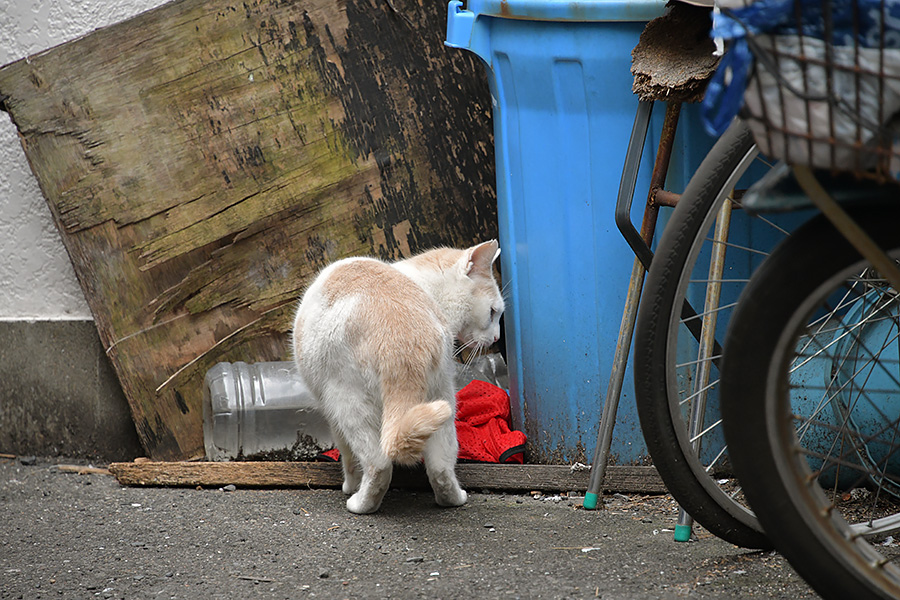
x,y
824,88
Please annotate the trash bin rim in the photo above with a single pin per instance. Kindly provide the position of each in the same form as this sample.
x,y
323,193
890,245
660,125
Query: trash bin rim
x,y
569,10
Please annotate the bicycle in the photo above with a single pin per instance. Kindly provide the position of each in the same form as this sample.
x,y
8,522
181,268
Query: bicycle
x,y
686,305
664,383
811,365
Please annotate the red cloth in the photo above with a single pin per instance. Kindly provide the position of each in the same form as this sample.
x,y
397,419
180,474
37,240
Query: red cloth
x,y
482,427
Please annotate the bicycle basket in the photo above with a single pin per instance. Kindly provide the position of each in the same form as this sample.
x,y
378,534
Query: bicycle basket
x,y
824,89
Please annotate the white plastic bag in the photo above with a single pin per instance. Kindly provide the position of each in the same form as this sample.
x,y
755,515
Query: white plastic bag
x,y
865,103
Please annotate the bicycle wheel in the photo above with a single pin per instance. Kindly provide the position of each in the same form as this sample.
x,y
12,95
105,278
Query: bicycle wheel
x,y
674,373
810,389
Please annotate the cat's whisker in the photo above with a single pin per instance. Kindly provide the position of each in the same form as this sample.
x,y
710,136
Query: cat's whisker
x,y
477,349
471,358
461,348
470,345
457,355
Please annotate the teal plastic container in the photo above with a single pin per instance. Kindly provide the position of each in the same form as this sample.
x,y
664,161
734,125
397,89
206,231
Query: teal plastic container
x,y
560,76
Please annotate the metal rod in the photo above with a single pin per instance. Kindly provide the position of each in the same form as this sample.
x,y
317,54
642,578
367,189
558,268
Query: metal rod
x,y
633,154
629,315
667,198
685,522
847,226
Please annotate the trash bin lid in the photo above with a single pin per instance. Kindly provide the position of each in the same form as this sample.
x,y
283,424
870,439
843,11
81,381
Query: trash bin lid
x,y
566,10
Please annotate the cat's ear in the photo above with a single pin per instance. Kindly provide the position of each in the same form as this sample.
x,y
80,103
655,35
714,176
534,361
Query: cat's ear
x,y
480,259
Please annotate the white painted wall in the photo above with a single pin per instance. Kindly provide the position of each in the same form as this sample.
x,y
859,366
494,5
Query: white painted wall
x,y
36,278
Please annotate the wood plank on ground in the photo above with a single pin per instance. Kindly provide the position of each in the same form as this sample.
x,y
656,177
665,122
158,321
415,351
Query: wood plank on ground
x,y
626,479
203,160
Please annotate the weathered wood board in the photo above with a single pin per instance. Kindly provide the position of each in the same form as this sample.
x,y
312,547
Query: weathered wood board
x,y
553,478
203,160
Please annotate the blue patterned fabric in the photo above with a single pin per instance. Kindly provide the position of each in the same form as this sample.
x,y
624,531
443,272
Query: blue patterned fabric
x,y
876,23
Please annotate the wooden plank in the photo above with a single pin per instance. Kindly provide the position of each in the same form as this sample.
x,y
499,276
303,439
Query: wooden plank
x,y
312,474
203,160
244,474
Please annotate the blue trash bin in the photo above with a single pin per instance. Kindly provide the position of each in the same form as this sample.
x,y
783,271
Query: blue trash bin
x,y
560,77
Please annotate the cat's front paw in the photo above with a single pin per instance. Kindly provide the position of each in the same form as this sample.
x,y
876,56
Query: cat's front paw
x,y
361,504
449,498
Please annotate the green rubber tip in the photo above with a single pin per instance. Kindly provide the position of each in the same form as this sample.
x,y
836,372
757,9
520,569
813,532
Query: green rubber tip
x,y
682,533
590,500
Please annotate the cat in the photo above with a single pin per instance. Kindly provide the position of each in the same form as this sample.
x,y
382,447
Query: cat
x,y
374,342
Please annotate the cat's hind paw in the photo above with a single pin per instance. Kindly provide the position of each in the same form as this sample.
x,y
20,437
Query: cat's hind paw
x,y
350,487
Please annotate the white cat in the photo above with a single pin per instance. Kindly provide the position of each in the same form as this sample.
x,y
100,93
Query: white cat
x,y
374,343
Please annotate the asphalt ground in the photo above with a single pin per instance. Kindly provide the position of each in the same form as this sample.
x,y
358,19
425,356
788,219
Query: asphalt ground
x,y
65,534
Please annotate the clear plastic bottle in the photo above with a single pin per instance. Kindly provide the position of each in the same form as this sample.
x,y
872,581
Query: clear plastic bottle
x,y
261,411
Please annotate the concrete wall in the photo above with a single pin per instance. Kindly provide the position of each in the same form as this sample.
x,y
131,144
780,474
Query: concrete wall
x,y
58,394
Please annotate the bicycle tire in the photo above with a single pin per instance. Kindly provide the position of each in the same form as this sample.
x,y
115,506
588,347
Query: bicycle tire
x,y
665,430
782,443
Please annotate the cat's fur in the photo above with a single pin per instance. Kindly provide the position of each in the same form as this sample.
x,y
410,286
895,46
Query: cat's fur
x,y
374,342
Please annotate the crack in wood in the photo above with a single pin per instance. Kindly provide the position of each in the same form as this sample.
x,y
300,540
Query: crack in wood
x,y
196,359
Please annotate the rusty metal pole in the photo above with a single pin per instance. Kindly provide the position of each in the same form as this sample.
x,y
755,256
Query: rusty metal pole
x,y
629,316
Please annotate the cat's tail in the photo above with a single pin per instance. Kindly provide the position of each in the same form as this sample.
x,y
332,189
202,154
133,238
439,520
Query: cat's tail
x,y
403,434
